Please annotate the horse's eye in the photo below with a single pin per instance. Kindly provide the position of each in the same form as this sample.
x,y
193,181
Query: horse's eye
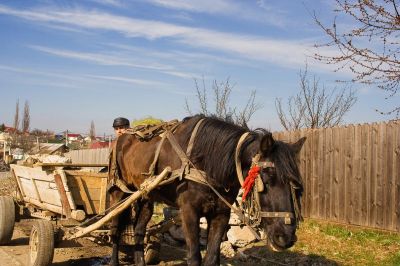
x,y
268,175
270,171
266,178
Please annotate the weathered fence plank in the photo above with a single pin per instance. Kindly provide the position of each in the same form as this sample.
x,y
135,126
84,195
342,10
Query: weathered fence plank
x,y
352,173
92,156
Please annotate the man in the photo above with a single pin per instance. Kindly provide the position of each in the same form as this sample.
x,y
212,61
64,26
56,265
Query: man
x,y
152,249
120,125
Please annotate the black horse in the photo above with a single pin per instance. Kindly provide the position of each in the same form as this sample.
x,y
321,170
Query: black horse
x,y
214,151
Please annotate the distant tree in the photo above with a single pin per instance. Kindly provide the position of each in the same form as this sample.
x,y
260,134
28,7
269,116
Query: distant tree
x,y
16,117
222,109
38,132
2,127
369,47
26,119
92,132
315,105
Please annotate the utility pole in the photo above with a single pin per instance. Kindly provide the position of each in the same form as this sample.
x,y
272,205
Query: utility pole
x,y
66,138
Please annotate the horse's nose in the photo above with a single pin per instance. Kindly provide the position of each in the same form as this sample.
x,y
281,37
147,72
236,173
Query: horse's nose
x,y
280,240
284,241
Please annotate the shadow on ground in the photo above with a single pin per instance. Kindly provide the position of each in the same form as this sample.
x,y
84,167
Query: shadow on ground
x,y
260,255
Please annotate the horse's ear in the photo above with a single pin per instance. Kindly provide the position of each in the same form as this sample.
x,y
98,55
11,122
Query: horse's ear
x,y
267,142
298,145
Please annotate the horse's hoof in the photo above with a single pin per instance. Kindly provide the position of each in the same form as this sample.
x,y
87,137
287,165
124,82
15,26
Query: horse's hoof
x,y
113,263
152,256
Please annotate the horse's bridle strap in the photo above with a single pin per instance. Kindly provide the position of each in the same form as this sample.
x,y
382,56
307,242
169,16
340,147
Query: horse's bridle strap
x,y
265,164
237,161
276,214
287,215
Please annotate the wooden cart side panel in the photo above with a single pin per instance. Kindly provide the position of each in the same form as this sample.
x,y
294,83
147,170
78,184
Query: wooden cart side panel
x,y
67,190
35,173
103,196
48,194
37,184
88,190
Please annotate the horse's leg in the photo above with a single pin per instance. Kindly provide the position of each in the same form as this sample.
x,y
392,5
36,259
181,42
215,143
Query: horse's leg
x,y
145,211
115,236
217,226
115,232
190,225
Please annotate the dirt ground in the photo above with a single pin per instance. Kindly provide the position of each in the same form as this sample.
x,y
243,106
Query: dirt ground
x,y
83,252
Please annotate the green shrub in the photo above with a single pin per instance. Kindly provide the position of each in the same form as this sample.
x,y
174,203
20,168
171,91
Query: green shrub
x,y
149,120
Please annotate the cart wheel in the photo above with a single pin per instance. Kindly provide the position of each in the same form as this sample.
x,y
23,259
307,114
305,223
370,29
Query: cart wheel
x,y
41,243
7,219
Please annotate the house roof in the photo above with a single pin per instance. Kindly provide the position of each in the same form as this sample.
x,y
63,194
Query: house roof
x,y
9,129
47,148
99,145
72,135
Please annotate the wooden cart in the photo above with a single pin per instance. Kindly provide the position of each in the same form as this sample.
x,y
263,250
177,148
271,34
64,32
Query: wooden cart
x,y
65,197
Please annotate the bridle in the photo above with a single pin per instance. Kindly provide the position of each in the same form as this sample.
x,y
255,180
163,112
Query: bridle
x,y
252,207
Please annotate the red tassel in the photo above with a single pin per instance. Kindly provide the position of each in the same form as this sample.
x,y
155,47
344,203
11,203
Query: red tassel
x,y
249,181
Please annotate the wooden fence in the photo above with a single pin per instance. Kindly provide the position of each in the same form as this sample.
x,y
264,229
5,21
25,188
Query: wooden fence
x,y
351,174
95,156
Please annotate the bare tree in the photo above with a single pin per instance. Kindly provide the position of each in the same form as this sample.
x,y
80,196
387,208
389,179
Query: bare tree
x,y
370,49
222,109
92,132
315,105
16,117
26,119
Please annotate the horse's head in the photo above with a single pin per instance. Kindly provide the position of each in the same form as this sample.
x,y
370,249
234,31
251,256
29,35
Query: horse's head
x,y
282,188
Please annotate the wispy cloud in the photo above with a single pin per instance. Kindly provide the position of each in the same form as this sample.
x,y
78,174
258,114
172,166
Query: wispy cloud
x,y
204,6
116,3
128,80
280,52
233,9
81,78
110,60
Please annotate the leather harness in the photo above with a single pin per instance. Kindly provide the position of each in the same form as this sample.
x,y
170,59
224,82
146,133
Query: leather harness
x,y
250,216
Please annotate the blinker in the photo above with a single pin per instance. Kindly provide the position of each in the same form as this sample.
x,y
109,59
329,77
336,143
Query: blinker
x,y
262,165
265,164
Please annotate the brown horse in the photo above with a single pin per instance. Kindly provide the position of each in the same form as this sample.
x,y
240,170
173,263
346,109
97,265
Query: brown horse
x,y
213,152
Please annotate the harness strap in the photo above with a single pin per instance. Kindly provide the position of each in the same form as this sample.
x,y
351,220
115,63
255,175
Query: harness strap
x,y
286,215
237,162
122,185
199,177
157,154
192,138
181,154
297,211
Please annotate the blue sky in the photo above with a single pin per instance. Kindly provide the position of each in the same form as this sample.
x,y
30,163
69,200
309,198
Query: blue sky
x,y
78,61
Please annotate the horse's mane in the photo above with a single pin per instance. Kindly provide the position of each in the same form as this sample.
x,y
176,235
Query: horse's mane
x,y
215,147
286,165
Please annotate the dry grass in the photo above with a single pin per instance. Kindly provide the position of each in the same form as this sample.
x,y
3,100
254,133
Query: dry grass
x,y
348,245
323,243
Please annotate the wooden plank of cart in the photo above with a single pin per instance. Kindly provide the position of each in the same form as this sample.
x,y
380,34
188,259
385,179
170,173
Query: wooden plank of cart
x,y
70,201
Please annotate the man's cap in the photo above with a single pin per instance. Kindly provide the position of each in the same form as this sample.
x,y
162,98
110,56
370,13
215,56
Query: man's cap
x,y
121,122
